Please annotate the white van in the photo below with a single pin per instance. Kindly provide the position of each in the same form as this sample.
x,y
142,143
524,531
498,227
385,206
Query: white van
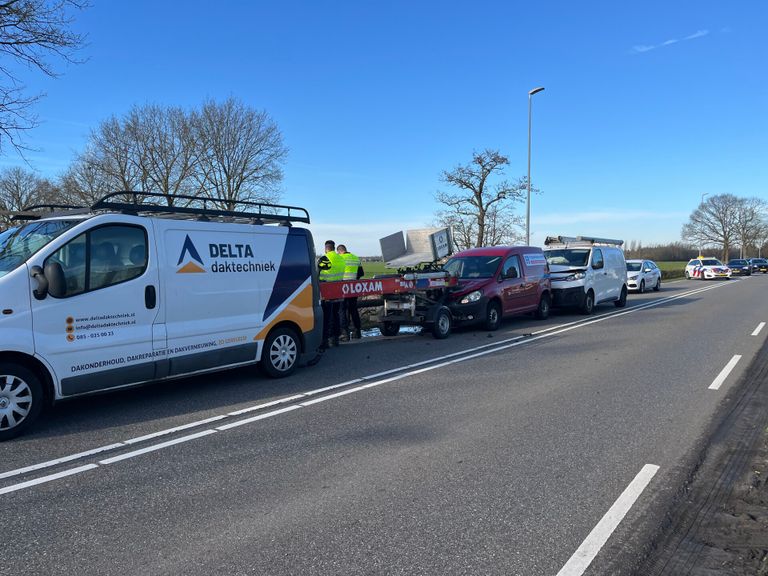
x,y
586,271
126,293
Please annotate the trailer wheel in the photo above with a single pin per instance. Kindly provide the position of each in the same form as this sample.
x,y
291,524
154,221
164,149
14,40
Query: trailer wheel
x,y
280,355
389,328
21,399
442,325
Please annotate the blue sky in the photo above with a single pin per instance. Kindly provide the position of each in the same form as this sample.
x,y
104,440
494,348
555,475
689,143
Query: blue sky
x,y
648,105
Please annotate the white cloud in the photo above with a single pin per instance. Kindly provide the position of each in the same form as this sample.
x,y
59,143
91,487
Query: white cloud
x,y
641,48
697,34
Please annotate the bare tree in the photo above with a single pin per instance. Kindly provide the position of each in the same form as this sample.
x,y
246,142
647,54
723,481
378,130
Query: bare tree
x,y
20,188
714,223
240,153
749,221
84,183
481,212
164,152
31,33
112,155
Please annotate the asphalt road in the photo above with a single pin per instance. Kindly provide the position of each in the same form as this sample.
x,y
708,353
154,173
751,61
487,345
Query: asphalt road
x,y
545,448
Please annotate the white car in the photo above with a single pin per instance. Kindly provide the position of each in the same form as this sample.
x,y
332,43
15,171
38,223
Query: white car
x,y
706,269
643,274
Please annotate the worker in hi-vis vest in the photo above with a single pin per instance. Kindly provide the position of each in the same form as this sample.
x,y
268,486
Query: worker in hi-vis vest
x,y
353,270
331,268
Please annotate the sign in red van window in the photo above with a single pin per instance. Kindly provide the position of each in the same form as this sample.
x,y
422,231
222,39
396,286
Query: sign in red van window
x,y
534,260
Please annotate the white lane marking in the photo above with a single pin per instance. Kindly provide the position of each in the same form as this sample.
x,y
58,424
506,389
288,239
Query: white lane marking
x,y
176,429
69,458
586,553
48,478
724,373
494,346
257,418
156,447
758,329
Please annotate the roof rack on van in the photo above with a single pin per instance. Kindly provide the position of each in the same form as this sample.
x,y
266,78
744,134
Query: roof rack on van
x,y
131,202
581,241
37,211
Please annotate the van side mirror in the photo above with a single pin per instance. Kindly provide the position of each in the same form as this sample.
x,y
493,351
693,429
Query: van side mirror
x,y
57,282
42,282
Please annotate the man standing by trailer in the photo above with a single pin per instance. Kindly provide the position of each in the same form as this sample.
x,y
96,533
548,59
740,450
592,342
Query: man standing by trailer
x,y
353,270
331,267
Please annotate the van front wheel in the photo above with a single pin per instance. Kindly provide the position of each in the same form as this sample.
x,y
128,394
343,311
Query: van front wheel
x,y
280,355
588,306
21,399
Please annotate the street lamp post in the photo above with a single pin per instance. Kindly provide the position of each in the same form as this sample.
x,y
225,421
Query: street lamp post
x,y
702,203
528,203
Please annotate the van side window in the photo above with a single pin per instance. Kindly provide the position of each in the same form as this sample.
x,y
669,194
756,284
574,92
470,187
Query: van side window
x,y
597,259
102,257
511,267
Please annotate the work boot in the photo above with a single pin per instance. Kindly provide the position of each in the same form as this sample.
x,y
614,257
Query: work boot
x,y
335,342
356,335
344,337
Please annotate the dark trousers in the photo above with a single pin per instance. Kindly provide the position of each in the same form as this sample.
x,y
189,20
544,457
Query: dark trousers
x,y
349,313
331,328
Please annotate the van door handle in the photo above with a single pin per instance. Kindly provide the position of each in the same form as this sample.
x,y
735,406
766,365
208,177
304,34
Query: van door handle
x,y
150,297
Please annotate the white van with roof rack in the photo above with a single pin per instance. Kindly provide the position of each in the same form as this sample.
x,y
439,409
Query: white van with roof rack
x,y
586,271
144,287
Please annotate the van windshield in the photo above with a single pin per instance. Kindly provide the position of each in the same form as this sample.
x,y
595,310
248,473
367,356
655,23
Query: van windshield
x,y
473,266
18,244
568,257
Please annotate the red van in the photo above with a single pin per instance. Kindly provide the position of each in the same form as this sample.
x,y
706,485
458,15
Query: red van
x,y
498,282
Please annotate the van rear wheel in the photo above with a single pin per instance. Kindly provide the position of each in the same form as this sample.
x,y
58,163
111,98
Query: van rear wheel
x,y
280,355
542,312
622,301
21,399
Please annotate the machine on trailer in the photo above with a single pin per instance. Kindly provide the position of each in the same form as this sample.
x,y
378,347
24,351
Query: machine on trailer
x,y
417,294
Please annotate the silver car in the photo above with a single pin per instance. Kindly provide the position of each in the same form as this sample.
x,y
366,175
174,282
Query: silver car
x,y
643,274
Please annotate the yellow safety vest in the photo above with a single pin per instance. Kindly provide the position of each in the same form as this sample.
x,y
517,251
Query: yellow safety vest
x,y
351,264
334,271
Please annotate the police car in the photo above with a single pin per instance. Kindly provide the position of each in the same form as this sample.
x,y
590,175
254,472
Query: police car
x,y
706,269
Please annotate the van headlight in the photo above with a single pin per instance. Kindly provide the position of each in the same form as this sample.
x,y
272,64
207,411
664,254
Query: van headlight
x,y
575,276
471,297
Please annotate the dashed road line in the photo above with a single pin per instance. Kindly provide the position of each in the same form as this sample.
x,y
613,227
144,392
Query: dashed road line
x,y
757,330
725,372
596,539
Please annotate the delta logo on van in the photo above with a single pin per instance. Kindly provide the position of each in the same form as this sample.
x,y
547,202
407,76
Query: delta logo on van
x,y
194,263
191,252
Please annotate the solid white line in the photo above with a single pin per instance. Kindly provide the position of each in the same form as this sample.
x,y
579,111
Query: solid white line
x,y
45,479
759,327
724,373
257,418
585,553
176,429
50,463
466,354
156,447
